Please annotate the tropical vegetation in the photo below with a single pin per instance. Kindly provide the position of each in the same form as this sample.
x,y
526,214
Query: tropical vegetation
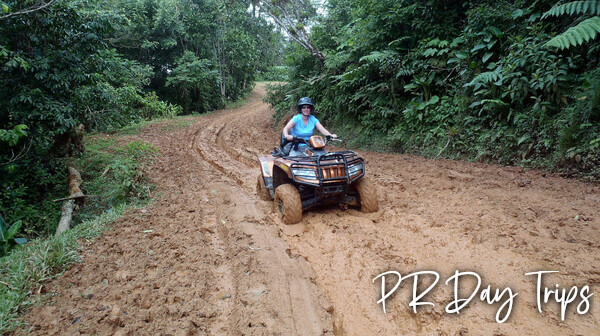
x,y
106,64
510,82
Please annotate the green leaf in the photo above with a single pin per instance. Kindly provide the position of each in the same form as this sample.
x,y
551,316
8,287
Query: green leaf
x,y
430,52
523,139
475,104
517,14
2,229
5,9
487,57
534,16
411,86
433,42
20,130
495,31
461,55
478,47
456,42
10,234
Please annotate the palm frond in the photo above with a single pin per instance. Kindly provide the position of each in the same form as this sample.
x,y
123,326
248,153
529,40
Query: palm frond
x,y
575,7
574,36
404,72
378,56
485,78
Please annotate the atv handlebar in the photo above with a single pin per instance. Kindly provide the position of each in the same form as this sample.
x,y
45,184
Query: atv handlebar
x,y
330,138
297,141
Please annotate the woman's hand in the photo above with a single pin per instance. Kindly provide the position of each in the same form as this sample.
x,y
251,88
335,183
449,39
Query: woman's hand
x,y
289,137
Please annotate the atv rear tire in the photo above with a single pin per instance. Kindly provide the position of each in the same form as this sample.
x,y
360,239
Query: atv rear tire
x,y
367,194
261,189
288,203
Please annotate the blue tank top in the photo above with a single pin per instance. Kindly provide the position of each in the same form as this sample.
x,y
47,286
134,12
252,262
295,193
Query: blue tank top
x,y
300,129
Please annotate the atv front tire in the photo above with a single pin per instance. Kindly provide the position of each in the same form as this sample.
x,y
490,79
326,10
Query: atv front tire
x,y
367,193
288,203
261,189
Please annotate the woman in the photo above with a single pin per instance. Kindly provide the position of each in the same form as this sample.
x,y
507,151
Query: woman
x,y
303,124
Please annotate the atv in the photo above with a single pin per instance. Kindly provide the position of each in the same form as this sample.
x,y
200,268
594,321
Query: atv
x,y
313,177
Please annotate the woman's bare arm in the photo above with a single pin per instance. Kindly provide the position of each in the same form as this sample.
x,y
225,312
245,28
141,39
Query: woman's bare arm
x,y
324,131
286,130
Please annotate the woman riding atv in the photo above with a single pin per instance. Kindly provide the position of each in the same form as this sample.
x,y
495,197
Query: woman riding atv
x,y
302,125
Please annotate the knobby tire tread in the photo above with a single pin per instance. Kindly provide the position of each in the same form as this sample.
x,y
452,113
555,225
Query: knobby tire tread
x,y
367,194
289,195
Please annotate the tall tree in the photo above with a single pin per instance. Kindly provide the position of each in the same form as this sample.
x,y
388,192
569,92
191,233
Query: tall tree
x,y
294,17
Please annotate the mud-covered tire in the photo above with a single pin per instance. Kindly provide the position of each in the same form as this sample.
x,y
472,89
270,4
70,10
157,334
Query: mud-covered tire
x,y
288,203
261,189
367,194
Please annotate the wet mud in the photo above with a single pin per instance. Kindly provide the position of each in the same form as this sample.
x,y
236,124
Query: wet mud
x,y
219,261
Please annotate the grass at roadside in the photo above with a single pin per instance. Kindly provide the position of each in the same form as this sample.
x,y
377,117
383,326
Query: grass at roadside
x,y
115,175
25,269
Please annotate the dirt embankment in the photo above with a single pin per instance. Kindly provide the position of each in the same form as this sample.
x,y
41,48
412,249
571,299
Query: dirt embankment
x,y
220,262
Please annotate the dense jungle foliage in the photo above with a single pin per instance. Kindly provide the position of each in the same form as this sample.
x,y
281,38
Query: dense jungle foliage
x,y
511,82
106,64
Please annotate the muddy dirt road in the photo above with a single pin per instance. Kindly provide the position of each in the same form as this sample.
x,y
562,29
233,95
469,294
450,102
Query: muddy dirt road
x,y
220,262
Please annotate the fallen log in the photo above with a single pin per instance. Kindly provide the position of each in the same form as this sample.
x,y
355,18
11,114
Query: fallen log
x,y
73,198
68,207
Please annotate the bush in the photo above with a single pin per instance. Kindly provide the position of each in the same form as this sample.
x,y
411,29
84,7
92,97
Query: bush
x,y
114,174
275,74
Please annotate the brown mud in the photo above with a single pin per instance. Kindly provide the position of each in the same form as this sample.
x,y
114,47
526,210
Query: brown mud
x,y
219,261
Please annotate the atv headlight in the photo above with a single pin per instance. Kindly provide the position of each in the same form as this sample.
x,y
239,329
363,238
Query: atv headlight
x,y
305,172
355,168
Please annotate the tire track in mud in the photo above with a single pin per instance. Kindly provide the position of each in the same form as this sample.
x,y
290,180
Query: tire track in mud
x,y
165,280
299,307
206,156
224,263
221,270
223,136
413,232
